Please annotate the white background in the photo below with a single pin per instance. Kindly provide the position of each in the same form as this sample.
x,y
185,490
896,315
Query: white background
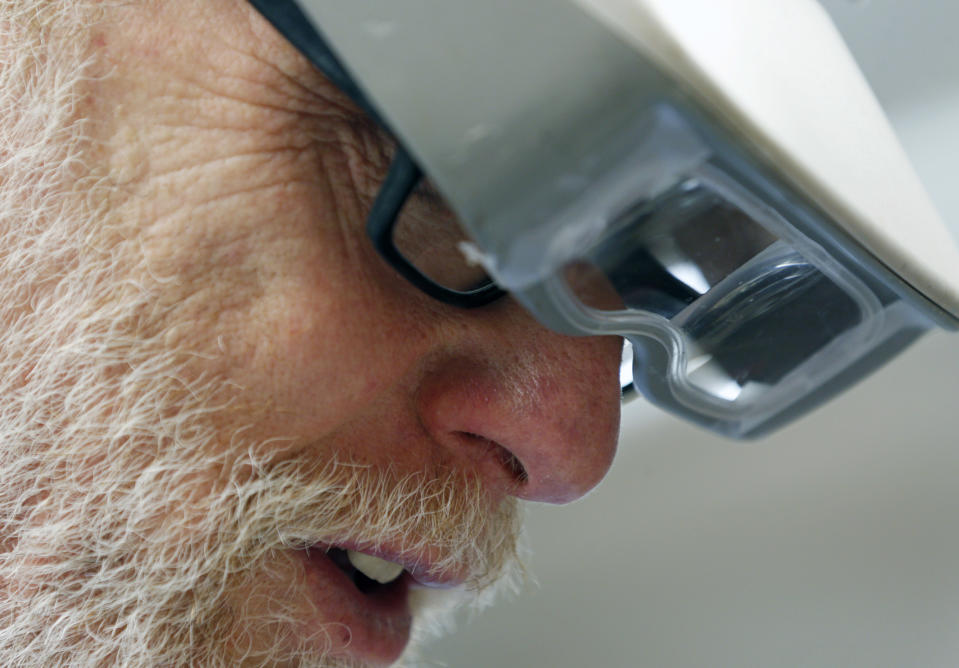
x,y
833,543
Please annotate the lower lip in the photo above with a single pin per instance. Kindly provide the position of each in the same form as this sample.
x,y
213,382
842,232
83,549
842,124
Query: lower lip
x,y
374,628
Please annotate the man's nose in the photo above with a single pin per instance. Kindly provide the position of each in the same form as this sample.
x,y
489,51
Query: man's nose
x,y
535,413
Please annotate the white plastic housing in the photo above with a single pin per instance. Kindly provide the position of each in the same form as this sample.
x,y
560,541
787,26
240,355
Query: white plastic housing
x,y
781,75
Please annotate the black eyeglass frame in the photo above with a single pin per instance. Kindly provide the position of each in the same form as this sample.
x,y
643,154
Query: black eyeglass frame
x,y
404,174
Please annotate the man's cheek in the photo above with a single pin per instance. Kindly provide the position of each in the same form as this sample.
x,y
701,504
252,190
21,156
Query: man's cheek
x,y
308,348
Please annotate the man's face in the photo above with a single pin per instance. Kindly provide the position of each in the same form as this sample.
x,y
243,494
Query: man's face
x,y
240,390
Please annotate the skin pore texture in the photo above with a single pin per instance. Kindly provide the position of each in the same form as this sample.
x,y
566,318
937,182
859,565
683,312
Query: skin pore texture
x,y
206,369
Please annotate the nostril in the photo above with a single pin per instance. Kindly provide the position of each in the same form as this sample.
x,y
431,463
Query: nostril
x,y
506,459
512,464
539,425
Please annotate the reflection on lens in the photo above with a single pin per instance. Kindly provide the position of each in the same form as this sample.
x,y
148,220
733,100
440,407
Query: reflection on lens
x,y
664,253
428,235
752,310
774,317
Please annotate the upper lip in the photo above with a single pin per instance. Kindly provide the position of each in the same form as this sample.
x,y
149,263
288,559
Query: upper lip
x,y
418,564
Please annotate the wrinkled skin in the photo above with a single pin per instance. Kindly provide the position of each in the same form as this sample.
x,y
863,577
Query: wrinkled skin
x,y
238,183
257,176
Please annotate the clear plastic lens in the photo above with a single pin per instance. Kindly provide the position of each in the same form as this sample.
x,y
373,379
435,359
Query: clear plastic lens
x,y
750,308
666,253
771,317
429,236
749,331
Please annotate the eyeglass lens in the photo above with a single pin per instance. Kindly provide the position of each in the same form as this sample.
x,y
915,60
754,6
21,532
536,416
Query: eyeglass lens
x,y
751,306
428,234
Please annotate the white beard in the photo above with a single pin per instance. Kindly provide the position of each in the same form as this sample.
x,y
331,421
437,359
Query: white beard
x,y
145,567
127,538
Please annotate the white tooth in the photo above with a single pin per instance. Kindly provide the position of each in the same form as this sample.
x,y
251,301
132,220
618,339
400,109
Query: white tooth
x,y
374,568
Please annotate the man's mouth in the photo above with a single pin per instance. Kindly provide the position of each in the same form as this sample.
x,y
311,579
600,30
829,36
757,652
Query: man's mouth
x,y
367,595
369,574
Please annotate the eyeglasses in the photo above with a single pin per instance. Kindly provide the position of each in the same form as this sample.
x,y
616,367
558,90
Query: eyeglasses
x,y
416,231
410,224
